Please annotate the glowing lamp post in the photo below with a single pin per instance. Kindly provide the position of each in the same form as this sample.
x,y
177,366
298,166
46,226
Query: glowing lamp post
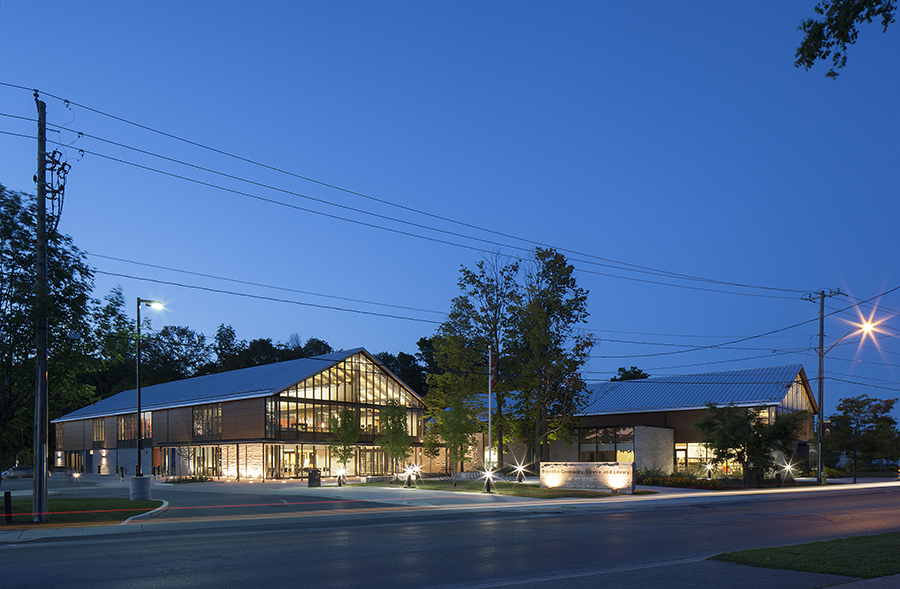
x,y
865,328
140,487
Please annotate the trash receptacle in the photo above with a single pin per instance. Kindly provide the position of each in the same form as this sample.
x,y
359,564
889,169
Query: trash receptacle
x,y
315,477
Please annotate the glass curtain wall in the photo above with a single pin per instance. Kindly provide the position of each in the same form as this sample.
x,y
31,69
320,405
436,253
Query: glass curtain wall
x,y
606,444
303,413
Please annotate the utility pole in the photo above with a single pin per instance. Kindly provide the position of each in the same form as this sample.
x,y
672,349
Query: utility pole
x,y
820,437
39,500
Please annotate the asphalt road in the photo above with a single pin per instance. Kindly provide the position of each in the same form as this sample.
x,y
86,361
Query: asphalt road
x,y
636,544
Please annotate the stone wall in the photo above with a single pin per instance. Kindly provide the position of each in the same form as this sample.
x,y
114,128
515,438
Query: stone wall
x,y
654,448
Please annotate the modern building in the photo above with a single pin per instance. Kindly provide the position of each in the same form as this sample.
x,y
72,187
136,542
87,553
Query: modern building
x,y
650,421
266,422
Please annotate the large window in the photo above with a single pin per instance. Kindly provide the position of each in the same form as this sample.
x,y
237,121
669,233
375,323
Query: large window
x,y
606,444
126,431
99,430
207,422
356,383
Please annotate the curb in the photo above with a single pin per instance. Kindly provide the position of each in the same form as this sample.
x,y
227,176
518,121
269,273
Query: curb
x,y
150,514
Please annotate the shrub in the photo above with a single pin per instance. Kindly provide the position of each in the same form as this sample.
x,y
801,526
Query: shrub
x,y
194,479
679,480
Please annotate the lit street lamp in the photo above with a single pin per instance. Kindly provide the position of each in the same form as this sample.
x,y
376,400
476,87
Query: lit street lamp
x,y
865,328
140,487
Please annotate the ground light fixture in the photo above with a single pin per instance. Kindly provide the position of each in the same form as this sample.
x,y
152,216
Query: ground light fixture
x,y
341,472
488,480
520,470
411,472
140,487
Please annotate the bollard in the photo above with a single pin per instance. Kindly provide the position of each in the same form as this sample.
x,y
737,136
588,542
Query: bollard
x,y
7,506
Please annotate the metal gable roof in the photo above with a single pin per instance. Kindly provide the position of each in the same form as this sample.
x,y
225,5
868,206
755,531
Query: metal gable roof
x,y
245,383
747,388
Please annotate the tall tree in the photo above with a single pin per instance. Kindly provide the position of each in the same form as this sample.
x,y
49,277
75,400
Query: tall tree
x,y
830,36
864,429
480,318
316,347
70,282
406,367
548,350
113,339
744,435
176,352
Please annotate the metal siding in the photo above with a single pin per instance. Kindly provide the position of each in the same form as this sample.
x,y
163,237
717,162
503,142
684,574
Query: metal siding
x,y
756,386
246,383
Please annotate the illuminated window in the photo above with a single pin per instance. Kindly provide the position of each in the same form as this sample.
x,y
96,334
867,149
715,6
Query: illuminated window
x,y
99,434
606,444
207,421
126,430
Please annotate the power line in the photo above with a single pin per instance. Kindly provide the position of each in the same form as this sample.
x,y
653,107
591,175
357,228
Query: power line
x,y
249,283
863,384
721,361
265,298
389,229
678,334
618,264
669,344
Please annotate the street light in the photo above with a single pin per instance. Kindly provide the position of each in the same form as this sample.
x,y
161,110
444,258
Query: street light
x,y
140,487
865,328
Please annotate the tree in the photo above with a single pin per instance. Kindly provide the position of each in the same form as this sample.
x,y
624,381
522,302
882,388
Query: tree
x,y
548,352
316,347
480,318
395,439
744,435
633,373
175,353
70,282
346,427
830,36
228,349
453,427
113,339
864,429
406,367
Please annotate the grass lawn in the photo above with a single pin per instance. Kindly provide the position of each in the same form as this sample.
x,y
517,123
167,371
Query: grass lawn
x,y
85,510
500,488
860,556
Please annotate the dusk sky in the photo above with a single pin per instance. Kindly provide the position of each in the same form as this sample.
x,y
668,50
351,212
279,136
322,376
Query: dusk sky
x,y
347,158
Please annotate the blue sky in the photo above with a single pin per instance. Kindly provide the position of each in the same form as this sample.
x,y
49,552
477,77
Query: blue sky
x,y
672,136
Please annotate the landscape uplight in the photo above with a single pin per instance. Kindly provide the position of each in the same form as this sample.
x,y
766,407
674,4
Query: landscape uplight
x,y
520,471
488,480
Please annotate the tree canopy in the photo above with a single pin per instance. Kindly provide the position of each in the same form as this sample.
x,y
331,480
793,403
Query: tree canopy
x,y
347,429
529,316
549,351
633,373
864,429
395,439
70,282
746,436
830,35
